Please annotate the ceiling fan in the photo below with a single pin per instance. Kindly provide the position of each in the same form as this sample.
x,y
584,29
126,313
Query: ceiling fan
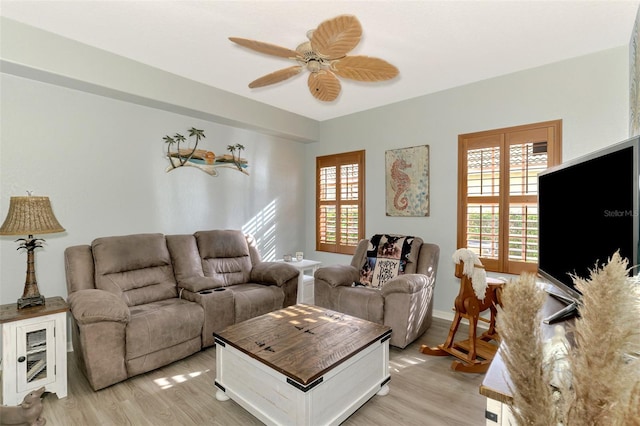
x,y
325,56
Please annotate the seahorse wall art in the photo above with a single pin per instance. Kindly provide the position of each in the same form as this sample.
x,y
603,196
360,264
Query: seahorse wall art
x,y
407,181
400,182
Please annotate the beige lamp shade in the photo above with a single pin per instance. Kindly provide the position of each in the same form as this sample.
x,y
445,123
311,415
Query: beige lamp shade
x,y
30,216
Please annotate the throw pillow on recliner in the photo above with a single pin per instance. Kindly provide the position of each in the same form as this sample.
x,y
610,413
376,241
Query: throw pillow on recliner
x,y
386,258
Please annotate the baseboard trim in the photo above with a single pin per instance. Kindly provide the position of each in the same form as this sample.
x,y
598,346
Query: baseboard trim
x,y
448,316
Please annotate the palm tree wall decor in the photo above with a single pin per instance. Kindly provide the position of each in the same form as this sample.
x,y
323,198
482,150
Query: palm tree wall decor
x,y
201,159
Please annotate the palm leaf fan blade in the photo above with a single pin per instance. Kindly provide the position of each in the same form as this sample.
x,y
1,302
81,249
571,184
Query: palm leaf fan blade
x,y
335,37
262,47
364,68
324,86
276,76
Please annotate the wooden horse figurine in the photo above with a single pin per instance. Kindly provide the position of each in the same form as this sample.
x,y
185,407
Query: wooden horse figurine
x,y
474,354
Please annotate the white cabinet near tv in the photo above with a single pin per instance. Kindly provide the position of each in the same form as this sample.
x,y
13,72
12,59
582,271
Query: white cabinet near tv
x,y
34,349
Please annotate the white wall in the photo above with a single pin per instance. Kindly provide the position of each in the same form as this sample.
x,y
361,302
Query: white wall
x,y
101,162
590,94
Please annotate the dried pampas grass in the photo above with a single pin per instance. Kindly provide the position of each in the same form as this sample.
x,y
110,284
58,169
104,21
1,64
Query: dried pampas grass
x,y
604,360
607,332
518,323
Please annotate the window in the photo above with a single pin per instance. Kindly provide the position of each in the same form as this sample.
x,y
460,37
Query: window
x,y
339,202
498,192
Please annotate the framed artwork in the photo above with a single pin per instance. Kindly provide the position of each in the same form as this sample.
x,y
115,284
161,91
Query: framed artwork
x,y
634,77
407,181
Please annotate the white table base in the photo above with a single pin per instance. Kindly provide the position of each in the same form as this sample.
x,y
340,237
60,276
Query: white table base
x,y
276,399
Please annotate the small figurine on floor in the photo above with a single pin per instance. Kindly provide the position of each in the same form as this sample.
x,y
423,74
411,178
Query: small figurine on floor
x,y
27,413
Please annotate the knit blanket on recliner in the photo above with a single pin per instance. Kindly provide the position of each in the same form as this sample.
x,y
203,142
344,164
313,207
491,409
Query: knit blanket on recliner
x,y
387,256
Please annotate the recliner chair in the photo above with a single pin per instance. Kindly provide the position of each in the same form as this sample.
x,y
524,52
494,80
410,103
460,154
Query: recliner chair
x,y
404,303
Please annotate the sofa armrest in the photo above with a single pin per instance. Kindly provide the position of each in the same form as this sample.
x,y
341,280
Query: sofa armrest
x,y
196,284
99,323
273,273
408,283
337,275
93,305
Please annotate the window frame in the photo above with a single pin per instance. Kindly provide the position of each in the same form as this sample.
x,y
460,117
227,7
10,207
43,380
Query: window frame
x,y
503,139
338,160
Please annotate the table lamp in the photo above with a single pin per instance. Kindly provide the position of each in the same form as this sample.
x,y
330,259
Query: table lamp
x,y
30,215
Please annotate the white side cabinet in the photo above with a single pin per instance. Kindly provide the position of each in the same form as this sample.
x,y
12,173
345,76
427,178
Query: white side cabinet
x,y
305,280
498,413
34,349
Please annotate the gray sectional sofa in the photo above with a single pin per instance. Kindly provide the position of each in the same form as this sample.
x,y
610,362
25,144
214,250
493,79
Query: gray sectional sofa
x,y
139,302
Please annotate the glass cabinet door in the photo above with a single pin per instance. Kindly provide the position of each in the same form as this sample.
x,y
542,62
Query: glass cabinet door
x,y
36,355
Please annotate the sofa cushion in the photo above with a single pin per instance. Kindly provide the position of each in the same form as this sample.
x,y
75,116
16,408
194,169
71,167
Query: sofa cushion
x,y
159,325
135,267
252,300
225,256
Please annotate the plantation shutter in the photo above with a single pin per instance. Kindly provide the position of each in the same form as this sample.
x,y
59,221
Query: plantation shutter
x,y
340,202
527,157
498,193
483,198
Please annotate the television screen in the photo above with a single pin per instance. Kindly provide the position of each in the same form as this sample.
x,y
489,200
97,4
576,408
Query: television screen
x,y
588,210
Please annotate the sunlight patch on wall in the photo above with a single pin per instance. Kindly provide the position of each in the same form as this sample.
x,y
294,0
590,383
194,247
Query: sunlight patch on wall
x,y
263,228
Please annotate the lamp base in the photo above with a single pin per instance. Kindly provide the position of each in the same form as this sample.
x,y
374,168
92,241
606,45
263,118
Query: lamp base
x,y
25,302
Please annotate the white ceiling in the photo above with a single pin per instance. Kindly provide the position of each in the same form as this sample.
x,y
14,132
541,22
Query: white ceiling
x,y
435,44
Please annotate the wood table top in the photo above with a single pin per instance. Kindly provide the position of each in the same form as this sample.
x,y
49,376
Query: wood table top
x,y
303,342
53,305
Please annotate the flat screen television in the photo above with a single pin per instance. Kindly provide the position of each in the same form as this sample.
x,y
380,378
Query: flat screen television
x,y
588,210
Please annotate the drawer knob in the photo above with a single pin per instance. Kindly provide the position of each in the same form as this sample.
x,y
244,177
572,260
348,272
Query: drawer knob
x,y
21,359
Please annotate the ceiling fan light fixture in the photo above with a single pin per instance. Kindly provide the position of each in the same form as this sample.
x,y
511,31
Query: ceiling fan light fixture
x,y
314,66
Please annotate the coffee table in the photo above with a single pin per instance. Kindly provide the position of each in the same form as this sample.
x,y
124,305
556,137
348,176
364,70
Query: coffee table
x,y
302,365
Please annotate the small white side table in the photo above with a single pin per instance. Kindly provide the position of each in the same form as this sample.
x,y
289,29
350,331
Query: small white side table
x,y
305,279
34,349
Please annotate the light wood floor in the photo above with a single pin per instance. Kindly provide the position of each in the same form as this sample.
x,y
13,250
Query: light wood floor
x,y
424,391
